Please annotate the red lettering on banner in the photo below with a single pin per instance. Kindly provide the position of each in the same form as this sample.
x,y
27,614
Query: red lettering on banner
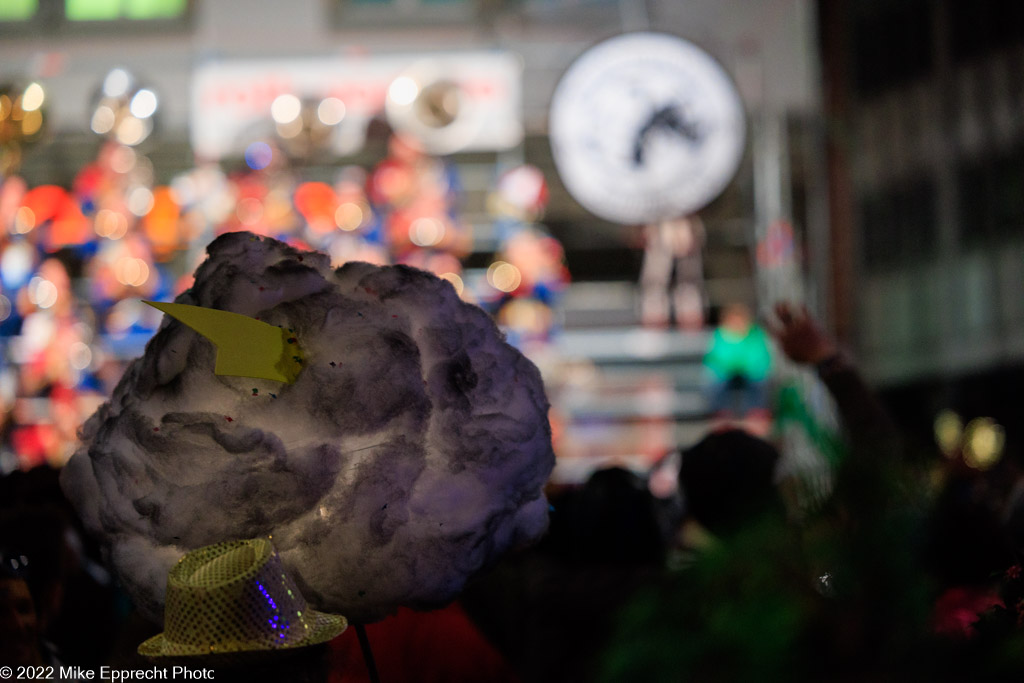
x,y
482,90
365,97
254,96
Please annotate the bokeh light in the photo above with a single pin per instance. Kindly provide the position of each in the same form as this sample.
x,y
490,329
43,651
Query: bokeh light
x,y
123,159
503,276
110,224
123,110
16,264
143,104
285,108
403,90
290,129
349,216
131,131
140,201
33,97
983,443
31,123
103,120
249,211
24,220
42,292
80,355
948,429
131,271
116,83
426,231
258,156
455,280
331,111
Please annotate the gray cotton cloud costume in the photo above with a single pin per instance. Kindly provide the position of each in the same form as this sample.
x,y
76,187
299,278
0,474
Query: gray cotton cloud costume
x,y
410,451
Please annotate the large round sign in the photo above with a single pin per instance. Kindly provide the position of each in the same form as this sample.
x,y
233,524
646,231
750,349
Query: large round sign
x,y
646,127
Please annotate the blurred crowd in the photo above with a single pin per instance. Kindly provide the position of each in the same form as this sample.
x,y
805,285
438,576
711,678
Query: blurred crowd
x,y
75,264
908,570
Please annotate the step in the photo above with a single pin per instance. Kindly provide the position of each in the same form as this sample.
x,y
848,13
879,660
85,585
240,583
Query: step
x,y
633,345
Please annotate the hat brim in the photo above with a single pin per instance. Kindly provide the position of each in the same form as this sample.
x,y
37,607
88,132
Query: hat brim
x,y
324,627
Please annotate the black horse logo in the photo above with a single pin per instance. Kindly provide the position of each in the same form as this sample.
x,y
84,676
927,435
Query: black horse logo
x,y
670,118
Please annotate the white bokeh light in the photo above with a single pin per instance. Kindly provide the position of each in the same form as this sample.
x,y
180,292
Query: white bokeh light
x,y
286,108
403,90
116,83
33,97
144,104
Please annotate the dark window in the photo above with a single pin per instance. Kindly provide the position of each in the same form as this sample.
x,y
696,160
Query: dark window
x,y
1008,195
898,225
974,187
981,26
991,194
892,45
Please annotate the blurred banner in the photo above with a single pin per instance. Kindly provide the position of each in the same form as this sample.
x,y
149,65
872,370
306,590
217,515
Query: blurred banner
x,y
231,100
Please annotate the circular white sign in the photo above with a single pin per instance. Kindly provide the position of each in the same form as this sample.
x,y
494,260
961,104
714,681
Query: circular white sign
x,y
646,127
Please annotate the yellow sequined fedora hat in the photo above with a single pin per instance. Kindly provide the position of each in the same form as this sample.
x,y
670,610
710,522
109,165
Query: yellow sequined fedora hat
x,y
235,598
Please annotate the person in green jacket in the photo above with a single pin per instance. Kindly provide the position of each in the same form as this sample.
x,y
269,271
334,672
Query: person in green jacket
x,y
739,362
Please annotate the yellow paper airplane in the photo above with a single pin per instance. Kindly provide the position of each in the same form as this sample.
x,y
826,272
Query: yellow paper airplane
x,y
246,347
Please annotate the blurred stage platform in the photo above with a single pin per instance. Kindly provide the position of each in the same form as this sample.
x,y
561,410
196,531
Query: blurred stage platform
x,y
621,393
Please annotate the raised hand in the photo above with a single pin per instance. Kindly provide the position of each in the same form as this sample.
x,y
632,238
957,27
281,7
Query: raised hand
x,y
799,335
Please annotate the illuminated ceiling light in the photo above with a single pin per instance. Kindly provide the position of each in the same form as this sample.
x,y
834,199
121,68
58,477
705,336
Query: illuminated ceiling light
x,y
32,98
403,90
331,111
144,104
116,83
285,108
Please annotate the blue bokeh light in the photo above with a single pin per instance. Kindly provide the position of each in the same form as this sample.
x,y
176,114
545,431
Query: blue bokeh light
x,y
258,155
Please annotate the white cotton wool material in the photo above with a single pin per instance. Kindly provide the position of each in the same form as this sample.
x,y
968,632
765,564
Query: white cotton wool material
x,y
410,451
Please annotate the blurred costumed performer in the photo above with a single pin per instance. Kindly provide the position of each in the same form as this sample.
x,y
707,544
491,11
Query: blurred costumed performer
x,y
672,274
